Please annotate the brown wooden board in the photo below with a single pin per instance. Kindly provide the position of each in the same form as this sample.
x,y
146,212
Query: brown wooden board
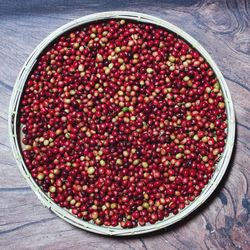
x,y
223,28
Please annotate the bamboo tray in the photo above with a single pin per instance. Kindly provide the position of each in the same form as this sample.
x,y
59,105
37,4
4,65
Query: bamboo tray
x,y
65,214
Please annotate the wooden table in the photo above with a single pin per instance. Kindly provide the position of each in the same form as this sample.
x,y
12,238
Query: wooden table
x,y
223,28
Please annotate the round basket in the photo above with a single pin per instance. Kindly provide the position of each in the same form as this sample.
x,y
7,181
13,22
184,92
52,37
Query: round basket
x,y
65,214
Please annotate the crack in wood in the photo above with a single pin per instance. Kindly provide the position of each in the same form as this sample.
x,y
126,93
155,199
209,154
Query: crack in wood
x,y
232,199
246,204
242,125
20,189
27,225
237,82
209,227
246,181
6,86
246,2
245,144
4,145
8,163
216,218
143,244
206,245
223,198
5,119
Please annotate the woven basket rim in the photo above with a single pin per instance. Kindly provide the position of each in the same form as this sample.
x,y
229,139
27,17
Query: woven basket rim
x,y
65,214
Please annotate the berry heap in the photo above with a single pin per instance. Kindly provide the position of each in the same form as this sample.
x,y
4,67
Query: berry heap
x,y
123,123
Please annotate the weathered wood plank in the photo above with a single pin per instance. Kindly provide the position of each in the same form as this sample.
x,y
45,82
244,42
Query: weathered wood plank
x,y
223,28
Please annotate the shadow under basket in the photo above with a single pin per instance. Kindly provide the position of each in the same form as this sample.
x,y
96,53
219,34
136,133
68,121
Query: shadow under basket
x,y
14,130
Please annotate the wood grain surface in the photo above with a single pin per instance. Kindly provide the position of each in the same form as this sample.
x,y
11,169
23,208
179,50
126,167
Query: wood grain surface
x,y
223,222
